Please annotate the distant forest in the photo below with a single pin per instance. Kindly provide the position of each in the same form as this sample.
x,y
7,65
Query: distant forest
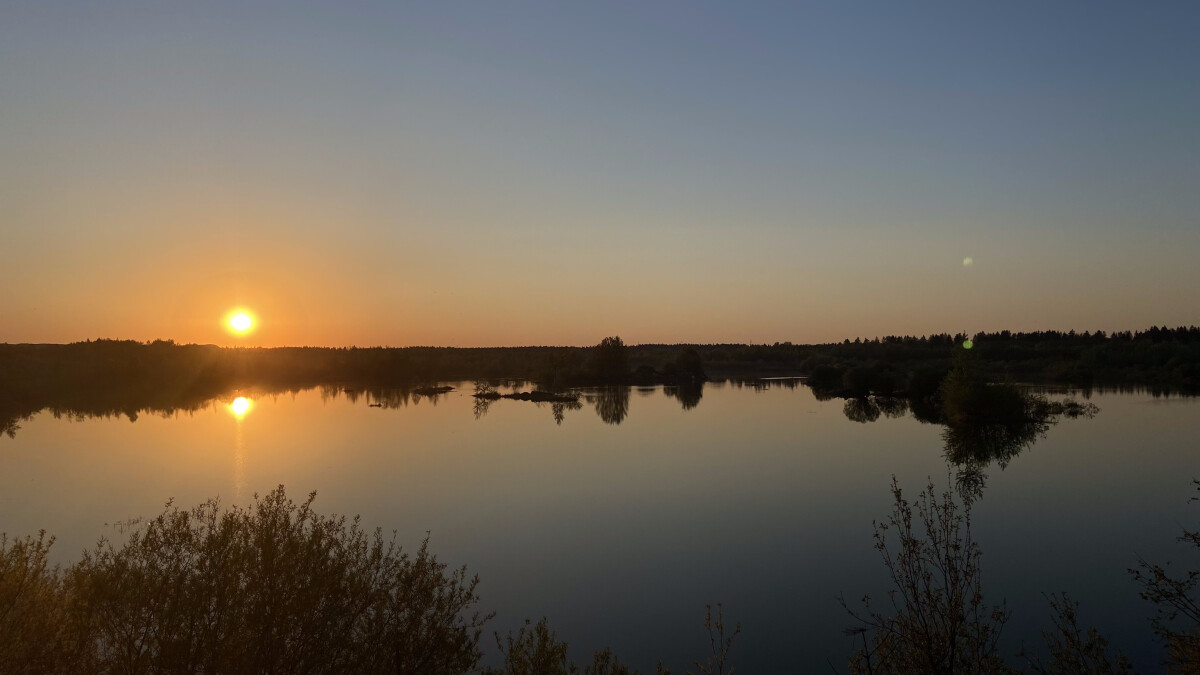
x,y
124,376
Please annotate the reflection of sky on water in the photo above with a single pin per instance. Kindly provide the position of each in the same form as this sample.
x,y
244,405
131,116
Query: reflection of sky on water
x,y
759,497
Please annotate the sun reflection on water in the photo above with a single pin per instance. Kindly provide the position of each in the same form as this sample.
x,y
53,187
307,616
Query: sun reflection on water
x,y
240,406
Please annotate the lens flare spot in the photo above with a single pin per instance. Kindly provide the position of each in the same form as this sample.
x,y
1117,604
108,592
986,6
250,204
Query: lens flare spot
x,y
968,261
967,344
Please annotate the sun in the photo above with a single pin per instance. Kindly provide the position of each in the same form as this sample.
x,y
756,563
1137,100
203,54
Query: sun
x,y
240,322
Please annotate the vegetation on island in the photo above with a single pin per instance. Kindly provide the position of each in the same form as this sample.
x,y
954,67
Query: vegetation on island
x,y
983,422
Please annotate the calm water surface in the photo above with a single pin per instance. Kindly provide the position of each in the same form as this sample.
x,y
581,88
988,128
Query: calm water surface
x,y
620,533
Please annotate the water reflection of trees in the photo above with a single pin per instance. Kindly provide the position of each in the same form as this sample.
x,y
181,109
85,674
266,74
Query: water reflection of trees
x,y
482,405
971,448
611,403
132,399
984,423
764,383
688,395
870,408
892,406
559,410
376,397
861,410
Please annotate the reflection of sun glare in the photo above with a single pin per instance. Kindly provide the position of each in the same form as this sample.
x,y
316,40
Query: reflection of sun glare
x,y
240,322
240,406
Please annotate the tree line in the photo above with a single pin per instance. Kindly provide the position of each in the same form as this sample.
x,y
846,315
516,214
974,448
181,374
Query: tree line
x,y
126,376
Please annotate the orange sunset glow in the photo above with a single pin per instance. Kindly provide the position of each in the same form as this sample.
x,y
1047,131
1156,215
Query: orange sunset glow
x,y
646,317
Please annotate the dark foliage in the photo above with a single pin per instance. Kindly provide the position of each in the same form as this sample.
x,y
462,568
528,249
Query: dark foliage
x,y
1072,650
536,650
609,363
124,377
273,588
1177,600
939,621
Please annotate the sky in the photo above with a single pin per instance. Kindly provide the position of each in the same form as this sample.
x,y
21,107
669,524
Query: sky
x,y
512,173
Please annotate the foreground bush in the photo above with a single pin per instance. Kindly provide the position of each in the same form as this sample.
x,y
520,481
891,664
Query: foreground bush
x,y
939,622
35,625
271,588
1176,596
536,650
277,588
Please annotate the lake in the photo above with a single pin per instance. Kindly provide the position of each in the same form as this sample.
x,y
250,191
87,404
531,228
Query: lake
x,y
621,519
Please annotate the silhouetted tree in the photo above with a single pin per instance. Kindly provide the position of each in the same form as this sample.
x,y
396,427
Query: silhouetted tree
x,y
826,377
610,361
689,367
939,621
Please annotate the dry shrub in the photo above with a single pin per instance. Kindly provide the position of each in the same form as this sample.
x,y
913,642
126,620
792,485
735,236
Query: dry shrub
x,y
270,588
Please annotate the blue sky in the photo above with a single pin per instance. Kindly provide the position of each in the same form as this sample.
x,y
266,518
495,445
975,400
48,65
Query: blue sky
x,y
514,173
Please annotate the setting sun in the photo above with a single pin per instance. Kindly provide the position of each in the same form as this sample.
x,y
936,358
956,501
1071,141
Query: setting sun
x,y
240,322
663,294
